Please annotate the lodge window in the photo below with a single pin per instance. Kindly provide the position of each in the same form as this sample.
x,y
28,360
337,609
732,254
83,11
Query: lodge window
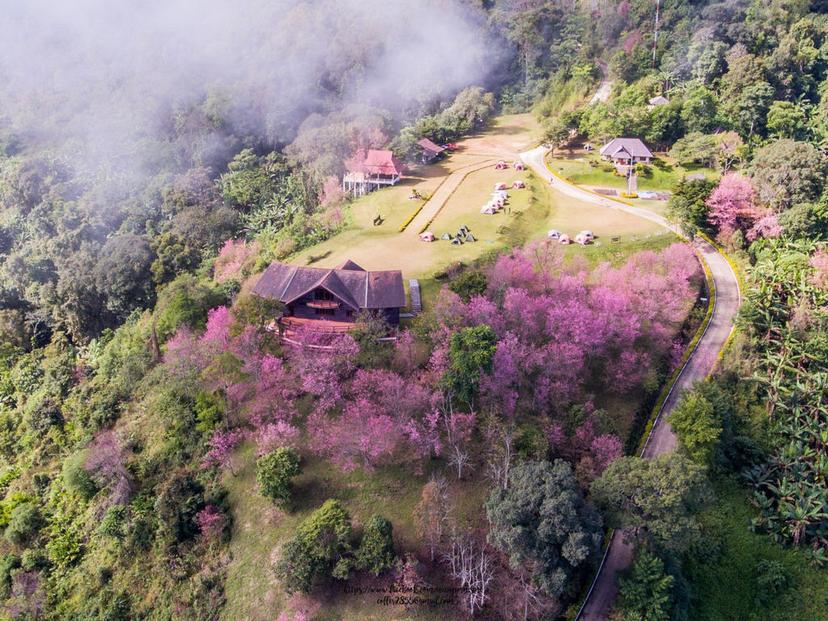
x,y
325,311
323,294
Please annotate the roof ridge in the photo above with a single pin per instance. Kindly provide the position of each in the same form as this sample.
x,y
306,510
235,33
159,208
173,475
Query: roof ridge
x,y
332,274
295,269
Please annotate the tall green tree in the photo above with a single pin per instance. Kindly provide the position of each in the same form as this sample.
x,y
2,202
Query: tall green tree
x,y
274,473
471,351
376,550
656,498
787,172
321,548
697,427
687,204
543,524
644,591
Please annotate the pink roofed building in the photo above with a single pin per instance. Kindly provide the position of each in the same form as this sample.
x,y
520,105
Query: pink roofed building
x,y
370,170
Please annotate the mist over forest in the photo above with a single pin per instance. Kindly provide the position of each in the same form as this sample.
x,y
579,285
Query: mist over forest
x,y
104,80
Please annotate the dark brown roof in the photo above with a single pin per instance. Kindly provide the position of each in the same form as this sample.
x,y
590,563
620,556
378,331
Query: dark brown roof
x,y
350,283
426,144
349,265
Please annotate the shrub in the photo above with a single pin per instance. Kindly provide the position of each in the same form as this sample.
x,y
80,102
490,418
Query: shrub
x,y
176,506
209,411
274,472
8,563
531,442
772,579
697,426
24,524
43,414
184,302
376,552
319,549
469,284
645,590
34,560
112,524
75,477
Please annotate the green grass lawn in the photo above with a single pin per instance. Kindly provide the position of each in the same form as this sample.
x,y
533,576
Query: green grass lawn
x,y
725,586
663,175
253,593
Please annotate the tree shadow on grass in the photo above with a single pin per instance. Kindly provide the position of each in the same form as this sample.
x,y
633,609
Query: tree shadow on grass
x,y
310,492
318,257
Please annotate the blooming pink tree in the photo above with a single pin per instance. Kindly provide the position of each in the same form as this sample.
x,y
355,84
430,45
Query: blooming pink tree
x,y
733,206
217,331
211,522
234,256
819,263
270,436
605,449
323,362
106,464
271,392
183,356
361,436
222,444
766,225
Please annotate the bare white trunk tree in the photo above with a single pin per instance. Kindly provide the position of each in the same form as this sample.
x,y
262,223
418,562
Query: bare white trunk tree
x,y
434,516
501,454
472,567
459,458
458,455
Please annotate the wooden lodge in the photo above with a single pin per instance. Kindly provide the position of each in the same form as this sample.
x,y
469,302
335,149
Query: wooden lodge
x,y
329,300
430,150
626,152
370,171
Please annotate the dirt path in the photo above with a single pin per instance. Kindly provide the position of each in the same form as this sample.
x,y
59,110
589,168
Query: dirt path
x,y
700,364
604,88
434,204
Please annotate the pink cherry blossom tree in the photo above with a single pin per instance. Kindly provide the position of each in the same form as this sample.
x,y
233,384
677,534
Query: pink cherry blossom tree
x,y
322,371
819,263
733,206
222,444
270,436
211,522
235,255
106,464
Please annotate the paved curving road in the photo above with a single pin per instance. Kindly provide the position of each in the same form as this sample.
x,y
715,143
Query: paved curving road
x,y
703,359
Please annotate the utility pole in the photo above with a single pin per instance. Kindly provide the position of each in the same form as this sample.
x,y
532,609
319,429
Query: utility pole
x,y
655,32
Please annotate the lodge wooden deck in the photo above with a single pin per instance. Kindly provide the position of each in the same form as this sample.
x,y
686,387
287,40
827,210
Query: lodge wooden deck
x,y
289,326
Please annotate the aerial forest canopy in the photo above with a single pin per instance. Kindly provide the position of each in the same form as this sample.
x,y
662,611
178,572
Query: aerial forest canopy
x,y
169,451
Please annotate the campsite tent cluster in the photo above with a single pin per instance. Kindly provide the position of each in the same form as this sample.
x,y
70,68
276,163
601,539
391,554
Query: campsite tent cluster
x,y
517,165
497,201
463,236
583,238
500,197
